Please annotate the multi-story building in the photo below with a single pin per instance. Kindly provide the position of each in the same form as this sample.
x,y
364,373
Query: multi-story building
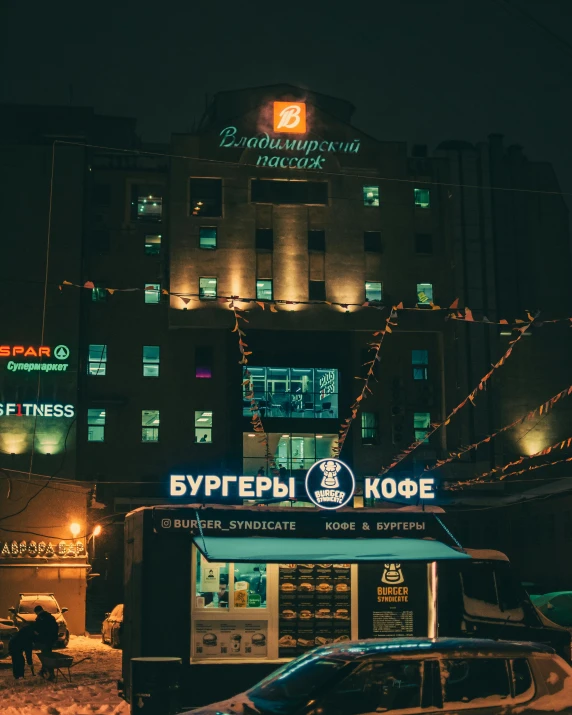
x,y
313,230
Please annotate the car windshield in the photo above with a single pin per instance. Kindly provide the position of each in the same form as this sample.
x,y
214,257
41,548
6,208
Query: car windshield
x,y
296,682
48,604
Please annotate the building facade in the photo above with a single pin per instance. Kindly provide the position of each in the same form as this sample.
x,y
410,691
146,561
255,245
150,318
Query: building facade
x,y
279,206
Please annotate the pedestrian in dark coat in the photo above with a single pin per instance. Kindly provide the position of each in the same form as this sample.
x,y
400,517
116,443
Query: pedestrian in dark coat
x,y
46,627
20,645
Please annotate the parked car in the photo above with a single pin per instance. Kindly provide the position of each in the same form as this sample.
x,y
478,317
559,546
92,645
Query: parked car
x,y
23,613
413,675
112,627
7,630
556,606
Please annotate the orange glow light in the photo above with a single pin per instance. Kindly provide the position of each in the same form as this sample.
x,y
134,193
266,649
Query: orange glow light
x,y
290,117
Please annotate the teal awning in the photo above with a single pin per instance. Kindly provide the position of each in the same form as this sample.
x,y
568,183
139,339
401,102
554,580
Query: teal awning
x,y
324,551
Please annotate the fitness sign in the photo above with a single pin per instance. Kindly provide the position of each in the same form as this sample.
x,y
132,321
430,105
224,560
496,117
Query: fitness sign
x,y
329,484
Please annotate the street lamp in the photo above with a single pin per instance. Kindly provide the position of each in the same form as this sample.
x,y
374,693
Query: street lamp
x,y
96,532
75,528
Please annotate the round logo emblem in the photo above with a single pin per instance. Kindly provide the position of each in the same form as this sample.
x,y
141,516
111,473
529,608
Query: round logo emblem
x,y
330,483
62,352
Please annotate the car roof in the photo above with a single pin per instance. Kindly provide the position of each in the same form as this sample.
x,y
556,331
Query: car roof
x,y
35,595
419,646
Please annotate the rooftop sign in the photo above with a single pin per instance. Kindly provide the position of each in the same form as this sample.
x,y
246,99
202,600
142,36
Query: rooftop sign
x,y
290,117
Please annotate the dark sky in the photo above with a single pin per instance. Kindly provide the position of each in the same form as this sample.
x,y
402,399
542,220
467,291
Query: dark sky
x,y
417,70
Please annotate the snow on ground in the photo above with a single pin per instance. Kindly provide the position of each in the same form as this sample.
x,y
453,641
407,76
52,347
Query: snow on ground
x,y
92,691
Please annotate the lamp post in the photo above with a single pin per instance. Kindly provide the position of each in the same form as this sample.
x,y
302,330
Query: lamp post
x,y
96,532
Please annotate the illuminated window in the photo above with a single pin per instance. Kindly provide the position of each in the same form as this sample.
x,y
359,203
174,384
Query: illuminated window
x,y
152,292
152,244
149,425
420,361
97,360
207,288
207,237
371,195
423,243
422,198
206,197
369,428
316,241
263,290
264,240
270,191
424,294
98,294
291,454
146,203
421,423
203,362
372,241
95,425
203,427
296,392
224,585
317,290
373,291
151,360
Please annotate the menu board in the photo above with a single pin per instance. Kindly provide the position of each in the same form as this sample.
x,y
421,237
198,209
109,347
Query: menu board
x,y
239,639
314,605
392,600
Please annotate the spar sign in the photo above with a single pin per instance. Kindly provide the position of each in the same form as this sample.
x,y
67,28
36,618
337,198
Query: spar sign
x,y
34,358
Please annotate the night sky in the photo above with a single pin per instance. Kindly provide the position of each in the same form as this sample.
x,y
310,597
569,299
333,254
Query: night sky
x,y
417,70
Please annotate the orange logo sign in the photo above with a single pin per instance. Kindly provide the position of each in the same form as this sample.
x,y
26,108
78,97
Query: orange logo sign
x,y
290,117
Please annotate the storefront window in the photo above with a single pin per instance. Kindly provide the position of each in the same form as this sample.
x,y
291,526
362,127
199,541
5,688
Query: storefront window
x,y
290,454
293,392
224,585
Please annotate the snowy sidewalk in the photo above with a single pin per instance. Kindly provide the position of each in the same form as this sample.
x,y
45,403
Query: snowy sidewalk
x,y
93,688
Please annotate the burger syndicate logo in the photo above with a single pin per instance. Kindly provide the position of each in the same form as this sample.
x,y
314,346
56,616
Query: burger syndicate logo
x,y
330,484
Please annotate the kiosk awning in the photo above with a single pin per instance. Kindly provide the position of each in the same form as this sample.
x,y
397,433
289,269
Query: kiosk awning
x,y
335,551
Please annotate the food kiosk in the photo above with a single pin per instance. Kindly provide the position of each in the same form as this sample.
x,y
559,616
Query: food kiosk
x,y
234,591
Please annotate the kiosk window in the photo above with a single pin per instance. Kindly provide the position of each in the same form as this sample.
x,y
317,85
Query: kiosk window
x,y
224,585
474,679
377,687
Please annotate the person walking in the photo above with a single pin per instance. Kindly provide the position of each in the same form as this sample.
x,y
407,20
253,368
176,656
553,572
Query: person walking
x,y
46,627
19,645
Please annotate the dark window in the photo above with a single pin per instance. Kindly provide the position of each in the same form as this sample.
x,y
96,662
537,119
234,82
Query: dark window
x,y
146,203
207,237
372,241
206,197
376,687
153,244
100,240
473,679
264,239
369,428
316,240
522,677
423,243
266,191
203,362
479,590
317,290
102,194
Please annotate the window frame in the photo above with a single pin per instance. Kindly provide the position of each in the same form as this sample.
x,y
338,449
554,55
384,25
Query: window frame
x,y
147,245
376,200
419,204
136,190
425,439
420,366
208,429
94,424
154,292
147,363
150,427
265,280
263,182
373,440
369,285
198,215
101,362
430,302
208,228
208,297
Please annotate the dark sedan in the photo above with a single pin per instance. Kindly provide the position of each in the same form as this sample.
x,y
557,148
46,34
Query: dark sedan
x,y
444,675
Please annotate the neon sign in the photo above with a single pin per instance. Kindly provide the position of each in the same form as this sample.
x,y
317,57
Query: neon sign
x,y
290,117
60,352
330,484
29,409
